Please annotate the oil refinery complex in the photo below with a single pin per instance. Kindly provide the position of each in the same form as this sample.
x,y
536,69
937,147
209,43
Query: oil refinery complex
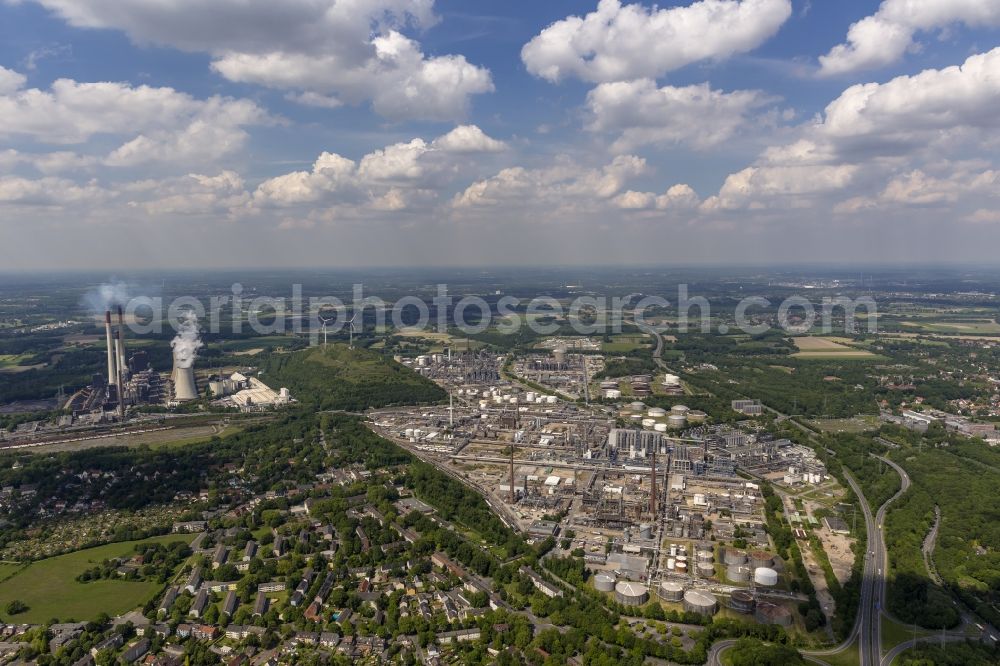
x,y
662,502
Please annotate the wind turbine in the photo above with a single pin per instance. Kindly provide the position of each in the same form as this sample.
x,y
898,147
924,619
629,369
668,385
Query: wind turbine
x,y
325,322
351,332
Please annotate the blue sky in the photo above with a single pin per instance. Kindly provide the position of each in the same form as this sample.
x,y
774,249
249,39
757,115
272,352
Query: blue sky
x,y
412,132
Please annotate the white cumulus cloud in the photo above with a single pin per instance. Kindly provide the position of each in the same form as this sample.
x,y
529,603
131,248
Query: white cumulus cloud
x,y
322,51
884,37
641,113
619,42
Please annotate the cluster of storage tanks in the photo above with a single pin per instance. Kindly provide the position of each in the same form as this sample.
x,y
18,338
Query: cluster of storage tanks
x,y
497,397
678,417
758,565
693,600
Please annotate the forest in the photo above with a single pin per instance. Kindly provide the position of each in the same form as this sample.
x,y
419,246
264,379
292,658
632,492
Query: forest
x,y
337,377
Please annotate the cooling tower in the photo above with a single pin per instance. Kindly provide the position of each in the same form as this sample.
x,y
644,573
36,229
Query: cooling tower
x,y
184,386
112,364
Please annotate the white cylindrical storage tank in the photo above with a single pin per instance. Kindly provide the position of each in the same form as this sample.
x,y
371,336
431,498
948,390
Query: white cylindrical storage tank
x,y
551,399
735,557
699,601
612,394
680,410
670,591
671,563
637,406
765,577
660,427
408,433
705,555
530,396
656,412
676,421
682,558
738,573
673,550
604,582
706,569
630,593
671,380
648,423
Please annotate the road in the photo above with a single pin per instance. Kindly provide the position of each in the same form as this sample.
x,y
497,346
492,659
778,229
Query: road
x,y
906,645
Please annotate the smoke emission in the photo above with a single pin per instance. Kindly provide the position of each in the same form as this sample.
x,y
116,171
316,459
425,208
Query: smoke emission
x,y
106,296
187,342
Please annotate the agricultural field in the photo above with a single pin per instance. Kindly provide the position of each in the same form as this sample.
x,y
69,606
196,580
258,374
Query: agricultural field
x,y
811,347
50,589
625,343
956,326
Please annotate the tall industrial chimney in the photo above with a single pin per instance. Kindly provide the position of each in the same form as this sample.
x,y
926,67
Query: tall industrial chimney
x,y
122,366
652,500
512,495
112,363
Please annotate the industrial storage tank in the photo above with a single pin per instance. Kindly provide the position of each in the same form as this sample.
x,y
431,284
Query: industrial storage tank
x,y
765,576
761,558
656,412
735,557
681,567
676,420
671,591
699,601
646,531
551,399
705,555
679,410
648,423
604,582
706,569
637,406
768,613
738,573
631,593
660,427
741,601
612,393
696,416
671,563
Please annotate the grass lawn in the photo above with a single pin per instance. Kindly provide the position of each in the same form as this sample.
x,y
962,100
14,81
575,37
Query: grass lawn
x,y
848,657
8,569
894,633
853,425
50,589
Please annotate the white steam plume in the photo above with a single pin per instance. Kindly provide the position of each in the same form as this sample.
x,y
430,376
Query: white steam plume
x,y
106,296
187,342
